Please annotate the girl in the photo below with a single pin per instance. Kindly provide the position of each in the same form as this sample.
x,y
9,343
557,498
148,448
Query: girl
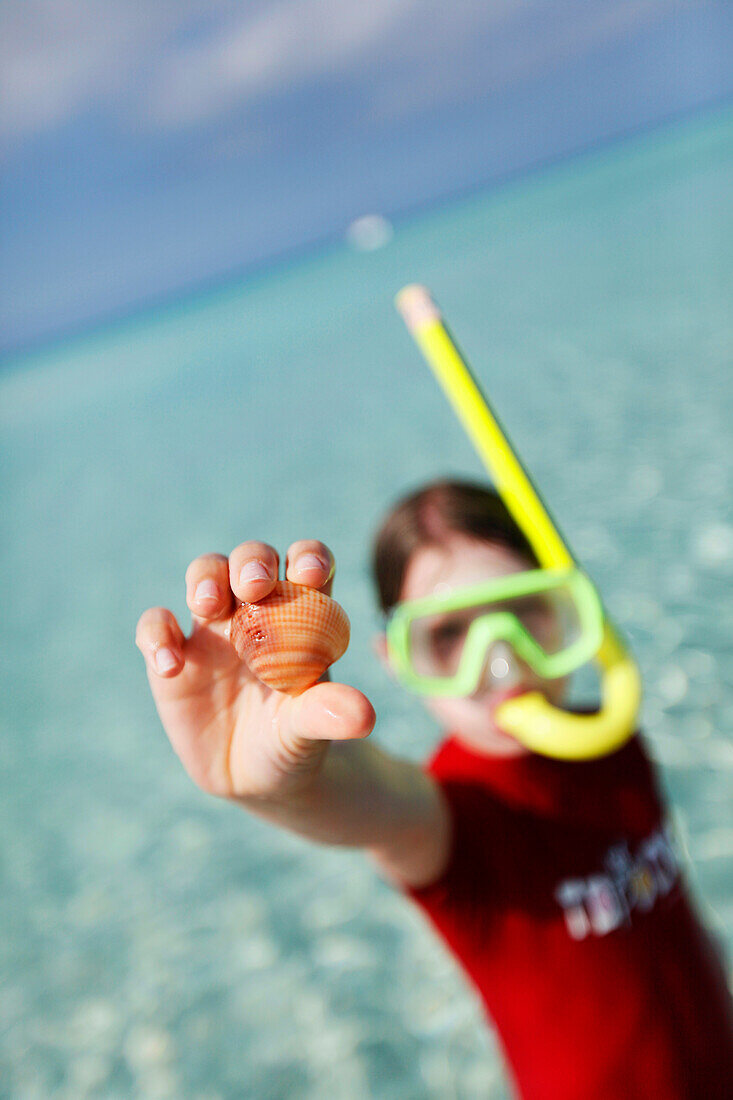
x,y
555,884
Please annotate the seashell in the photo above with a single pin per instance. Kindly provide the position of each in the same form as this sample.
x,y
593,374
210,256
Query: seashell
x,y
290,638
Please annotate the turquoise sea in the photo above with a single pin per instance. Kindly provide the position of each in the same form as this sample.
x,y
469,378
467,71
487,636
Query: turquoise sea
x,y
159,944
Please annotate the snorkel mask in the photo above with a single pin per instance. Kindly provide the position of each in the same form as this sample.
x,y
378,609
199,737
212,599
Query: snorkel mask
x,y
552,617
442,644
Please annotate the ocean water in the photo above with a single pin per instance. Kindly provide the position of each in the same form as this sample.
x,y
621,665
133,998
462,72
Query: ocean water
x,y
157,943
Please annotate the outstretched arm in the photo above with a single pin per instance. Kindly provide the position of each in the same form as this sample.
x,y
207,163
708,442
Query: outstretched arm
x,y
363,797
299,762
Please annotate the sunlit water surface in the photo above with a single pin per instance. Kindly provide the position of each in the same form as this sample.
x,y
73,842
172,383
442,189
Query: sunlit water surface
x,y
157,943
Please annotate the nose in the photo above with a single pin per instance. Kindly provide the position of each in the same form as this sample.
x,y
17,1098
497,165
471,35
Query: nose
x,y
501,668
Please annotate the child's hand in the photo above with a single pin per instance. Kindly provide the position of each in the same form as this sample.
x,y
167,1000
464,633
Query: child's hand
x,y
235,736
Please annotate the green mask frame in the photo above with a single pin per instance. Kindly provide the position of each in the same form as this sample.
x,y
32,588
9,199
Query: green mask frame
x,y
497,625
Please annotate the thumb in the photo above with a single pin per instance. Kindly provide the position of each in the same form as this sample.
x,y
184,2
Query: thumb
x,y
328,712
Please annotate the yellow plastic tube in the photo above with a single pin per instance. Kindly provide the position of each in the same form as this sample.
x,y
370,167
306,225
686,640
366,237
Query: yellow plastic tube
x,y
530,718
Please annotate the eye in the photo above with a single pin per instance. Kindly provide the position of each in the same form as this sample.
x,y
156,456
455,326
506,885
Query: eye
x,y
530,608
446,634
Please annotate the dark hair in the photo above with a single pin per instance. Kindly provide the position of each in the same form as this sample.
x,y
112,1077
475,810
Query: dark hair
x,y
428,517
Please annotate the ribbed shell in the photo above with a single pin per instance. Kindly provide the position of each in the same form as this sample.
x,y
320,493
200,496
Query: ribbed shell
x,y
291,637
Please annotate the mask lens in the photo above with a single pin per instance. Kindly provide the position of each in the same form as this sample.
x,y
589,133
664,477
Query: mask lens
x,y
437,642
550,617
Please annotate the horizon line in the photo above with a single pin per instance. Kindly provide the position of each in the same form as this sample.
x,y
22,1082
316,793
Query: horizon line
x,y
15,354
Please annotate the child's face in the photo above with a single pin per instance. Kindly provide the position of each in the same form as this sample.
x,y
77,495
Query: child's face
x,y
464,561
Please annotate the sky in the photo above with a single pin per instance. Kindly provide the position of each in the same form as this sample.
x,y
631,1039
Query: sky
x,y
152,148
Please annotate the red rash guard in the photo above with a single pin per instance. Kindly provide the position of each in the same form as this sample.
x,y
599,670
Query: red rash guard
x,y
564,903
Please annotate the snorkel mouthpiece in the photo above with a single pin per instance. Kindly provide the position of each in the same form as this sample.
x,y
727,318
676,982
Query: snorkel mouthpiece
x,y
550,731
531,718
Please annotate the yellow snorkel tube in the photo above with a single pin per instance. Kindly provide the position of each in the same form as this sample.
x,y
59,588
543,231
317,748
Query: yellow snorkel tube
x,y
530,718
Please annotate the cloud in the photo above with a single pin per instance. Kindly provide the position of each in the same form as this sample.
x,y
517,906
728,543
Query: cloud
x,y
281,45
174,64
526,43
63,58
166,63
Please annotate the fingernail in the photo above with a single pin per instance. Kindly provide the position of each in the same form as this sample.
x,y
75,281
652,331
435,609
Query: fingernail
x,y
165,660
254,571
207,590
309,561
